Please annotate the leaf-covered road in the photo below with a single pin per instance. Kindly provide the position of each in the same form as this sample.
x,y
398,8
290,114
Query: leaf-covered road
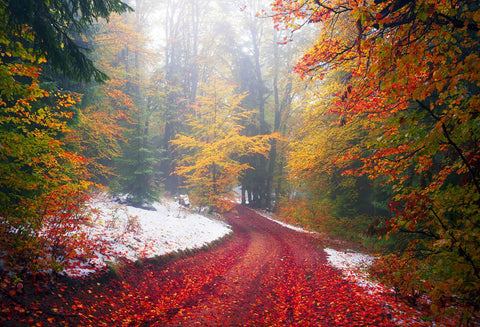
x,y
263,275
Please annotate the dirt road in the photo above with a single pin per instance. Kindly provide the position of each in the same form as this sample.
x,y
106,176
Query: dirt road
x,y
263,275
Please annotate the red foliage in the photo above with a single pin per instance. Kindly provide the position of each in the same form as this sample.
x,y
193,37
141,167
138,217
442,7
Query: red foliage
x,y
265,275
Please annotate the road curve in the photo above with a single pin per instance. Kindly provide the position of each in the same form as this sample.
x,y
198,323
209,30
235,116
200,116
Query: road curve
x,y
263,275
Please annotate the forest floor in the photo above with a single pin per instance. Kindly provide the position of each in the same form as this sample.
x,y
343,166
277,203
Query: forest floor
x,y
262,275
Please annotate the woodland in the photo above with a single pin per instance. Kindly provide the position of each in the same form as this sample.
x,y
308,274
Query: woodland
x,y
358,119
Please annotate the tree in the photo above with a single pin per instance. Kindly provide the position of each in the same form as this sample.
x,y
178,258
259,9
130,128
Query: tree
x,y
325,199
107,109
211,165
128,105
42,185
415,79
59,29
250,79
139,157
183,25
280,72
262,67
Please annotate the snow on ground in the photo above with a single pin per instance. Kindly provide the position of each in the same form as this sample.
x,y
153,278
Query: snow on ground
x,y
133,233
349,262
270,216
353,266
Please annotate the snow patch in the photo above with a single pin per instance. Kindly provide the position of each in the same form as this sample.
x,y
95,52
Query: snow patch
x,y
270,216
353,266
134,233
348,259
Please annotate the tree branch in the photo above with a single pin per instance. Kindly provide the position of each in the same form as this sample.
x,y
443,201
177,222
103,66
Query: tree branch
x,y
428,233
456,23
454,145
339,10
461,251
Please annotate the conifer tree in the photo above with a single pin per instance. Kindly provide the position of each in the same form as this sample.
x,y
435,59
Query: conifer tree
x,y
59,29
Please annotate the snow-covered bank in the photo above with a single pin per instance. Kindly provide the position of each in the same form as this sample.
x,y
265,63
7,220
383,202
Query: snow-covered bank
x,y
133,233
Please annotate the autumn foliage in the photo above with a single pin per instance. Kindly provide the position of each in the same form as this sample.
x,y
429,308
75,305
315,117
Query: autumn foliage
x,y
43,185
211,162
403,76
48,162
262,275
383,139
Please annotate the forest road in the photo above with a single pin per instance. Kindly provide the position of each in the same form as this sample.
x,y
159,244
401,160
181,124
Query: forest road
x,y
263,275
